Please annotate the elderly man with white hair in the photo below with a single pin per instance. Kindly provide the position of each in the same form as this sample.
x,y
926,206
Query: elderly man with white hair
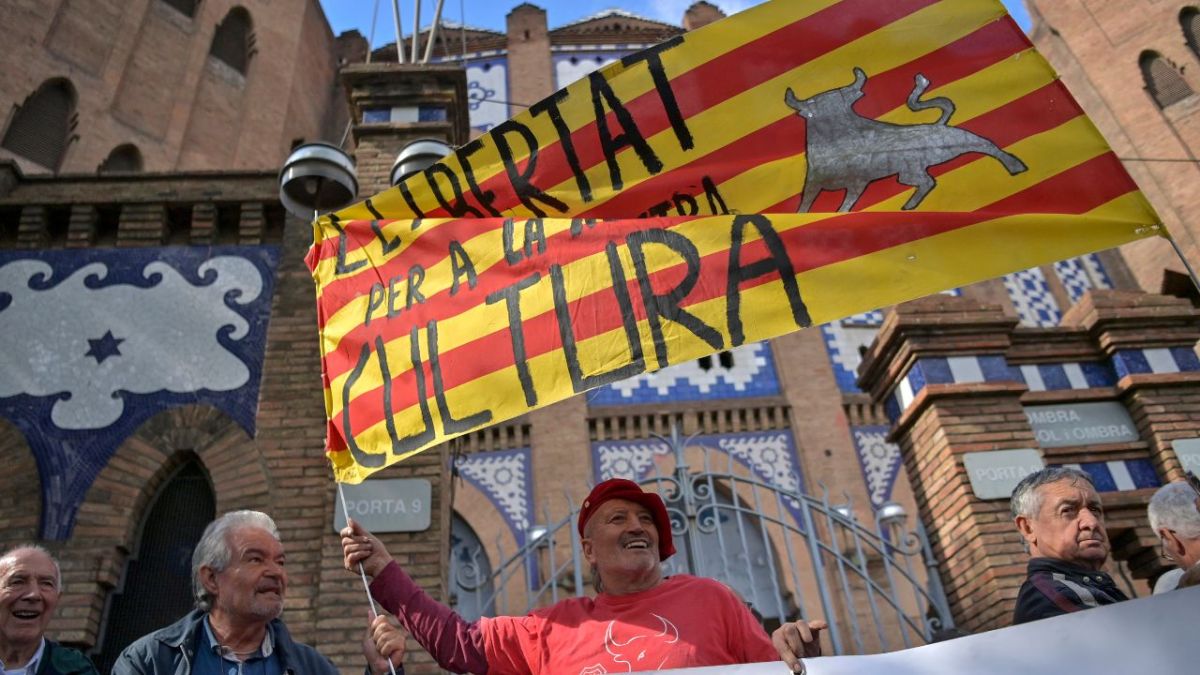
x,y
1174,513
1058,513
30,587
239,582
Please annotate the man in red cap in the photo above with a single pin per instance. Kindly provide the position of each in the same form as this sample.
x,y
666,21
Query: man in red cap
x,y
638,621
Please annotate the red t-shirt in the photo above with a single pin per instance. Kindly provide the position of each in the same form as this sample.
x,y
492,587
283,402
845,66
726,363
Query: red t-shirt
x,y
683,622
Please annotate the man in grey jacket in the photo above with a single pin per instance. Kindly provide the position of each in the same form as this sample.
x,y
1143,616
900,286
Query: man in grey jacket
x,y
239,582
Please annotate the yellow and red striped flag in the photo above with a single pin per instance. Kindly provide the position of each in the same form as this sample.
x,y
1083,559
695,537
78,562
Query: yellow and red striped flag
x,y
796,163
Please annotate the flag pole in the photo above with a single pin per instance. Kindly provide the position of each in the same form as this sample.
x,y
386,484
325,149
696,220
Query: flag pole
x,y
362,572
1186,265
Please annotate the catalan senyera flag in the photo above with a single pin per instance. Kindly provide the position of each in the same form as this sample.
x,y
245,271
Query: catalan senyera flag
x,y
796,163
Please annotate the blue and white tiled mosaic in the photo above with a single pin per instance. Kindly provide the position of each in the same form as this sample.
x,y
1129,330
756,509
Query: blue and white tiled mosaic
x,y
879,459
750,372
506,479
1082,274
1057,376
1040,377
1120,475
1031,297
847,339
769,455
1162,360
845,344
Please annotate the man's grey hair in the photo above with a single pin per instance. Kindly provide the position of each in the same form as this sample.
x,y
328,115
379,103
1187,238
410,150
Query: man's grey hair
x,y
1027,500
213,550
1173,507
8,555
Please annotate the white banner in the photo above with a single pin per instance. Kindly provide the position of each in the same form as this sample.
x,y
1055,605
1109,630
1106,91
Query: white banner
x,y
1150,635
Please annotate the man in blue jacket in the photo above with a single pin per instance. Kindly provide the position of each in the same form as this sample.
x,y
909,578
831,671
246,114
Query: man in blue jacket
x,y
1059,515
30,587
239,582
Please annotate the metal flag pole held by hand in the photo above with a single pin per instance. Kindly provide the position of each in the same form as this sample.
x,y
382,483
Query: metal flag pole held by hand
x,y
362,573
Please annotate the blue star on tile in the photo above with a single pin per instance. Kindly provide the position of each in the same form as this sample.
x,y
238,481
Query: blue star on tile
x,y
102,348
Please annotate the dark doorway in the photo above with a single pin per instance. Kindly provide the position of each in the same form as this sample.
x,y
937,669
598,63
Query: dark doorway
x,y
156,588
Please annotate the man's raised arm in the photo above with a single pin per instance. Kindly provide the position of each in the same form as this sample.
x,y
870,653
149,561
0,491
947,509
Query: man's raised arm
x,y
456,644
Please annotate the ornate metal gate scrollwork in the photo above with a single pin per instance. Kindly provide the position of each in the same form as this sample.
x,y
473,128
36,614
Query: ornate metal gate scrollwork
x,y
787,553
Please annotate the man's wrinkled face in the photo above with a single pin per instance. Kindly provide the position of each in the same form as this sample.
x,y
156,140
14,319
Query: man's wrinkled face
x,y
621,536
28,595
253,584
1069,526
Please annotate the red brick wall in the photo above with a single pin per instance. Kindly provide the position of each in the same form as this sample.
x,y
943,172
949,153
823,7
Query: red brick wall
x,y
139,69
1095,47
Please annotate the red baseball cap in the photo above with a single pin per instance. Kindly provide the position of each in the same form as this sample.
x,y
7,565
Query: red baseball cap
x,y
619,488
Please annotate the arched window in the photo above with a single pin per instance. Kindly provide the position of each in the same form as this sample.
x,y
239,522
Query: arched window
x,y
184,7
1163,81
156,588
471,584
1189,21
123,159
233,42
42,125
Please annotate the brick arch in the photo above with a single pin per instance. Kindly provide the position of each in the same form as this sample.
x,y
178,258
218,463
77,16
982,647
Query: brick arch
x,y
474,507
43,125
20,488
107,525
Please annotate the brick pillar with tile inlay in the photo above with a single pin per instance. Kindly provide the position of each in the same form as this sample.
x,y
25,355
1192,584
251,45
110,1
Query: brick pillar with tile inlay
x,y
938,365
1150,342
392,104
405,90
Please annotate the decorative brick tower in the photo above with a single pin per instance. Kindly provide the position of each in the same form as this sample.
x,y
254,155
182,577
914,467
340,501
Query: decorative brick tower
x,y
958,376
392,105
531,75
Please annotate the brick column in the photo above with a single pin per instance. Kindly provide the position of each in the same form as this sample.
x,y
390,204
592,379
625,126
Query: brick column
x,y
32,230
142,225
251,224
392,85
81,231
204,224
530,74
1151,341
921,367
342,605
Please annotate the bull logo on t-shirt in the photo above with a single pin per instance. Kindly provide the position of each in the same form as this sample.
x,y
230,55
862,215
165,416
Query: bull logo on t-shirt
x,y
633,647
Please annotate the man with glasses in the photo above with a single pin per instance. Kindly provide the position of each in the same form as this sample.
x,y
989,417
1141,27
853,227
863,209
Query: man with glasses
x,y
1174,513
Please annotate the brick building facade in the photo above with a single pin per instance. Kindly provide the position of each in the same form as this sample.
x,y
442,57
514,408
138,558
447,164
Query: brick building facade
x,y
871,411
181,85
1132,66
